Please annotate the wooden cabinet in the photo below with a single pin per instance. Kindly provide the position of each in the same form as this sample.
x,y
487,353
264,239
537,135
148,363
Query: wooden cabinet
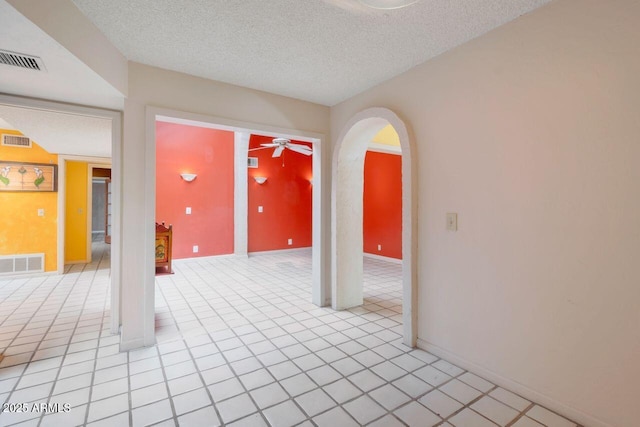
x,y
163,248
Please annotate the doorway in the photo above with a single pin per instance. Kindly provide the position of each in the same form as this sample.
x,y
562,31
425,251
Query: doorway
x,y
100,198
320,294
113,123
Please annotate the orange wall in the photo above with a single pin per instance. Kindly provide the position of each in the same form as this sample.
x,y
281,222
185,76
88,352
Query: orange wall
x,y
382,210
285,198
75,231
22,231
209,154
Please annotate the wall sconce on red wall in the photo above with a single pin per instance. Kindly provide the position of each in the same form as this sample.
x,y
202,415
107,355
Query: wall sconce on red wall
x,y
260,179
188,176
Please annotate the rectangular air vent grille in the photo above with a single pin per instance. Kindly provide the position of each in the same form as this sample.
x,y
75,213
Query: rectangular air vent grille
x,y
16,141
252,162
23,263
21,60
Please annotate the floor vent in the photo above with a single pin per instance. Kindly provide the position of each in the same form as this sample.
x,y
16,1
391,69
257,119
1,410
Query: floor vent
x,y
24,263
21,60
16,141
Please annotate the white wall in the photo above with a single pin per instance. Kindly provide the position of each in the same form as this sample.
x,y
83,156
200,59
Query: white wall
x,y
154,87
531,134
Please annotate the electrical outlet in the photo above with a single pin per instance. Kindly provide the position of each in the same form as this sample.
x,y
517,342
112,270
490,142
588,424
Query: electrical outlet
x,y
290,242
195,249
452,221
379,247
40,212
188,210
260,209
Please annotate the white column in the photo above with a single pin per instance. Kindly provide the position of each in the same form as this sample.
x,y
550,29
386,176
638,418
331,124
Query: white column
x,y
321,227
240,201
348,291
138,229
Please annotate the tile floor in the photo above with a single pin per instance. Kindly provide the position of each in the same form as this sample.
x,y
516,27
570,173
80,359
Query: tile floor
x,y
239,344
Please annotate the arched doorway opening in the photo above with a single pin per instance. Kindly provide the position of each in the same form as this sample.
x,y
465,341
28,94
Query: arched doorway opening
x,y
347,214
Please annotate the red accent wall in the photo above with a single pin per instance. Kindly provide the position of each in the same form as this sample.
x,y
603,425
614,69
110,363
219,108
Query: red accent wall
x,y
285,197
209,154
382,210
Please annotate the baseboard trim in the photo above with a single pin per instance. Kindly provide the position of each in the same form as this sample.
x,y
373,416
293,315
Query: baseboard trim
x,y
247,255
541,399
279,251
382,258
205,258
131,344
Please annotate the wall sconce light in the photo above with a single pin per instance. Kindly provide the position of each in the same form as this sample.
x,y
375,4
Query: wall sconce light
x,y
188,176
260,179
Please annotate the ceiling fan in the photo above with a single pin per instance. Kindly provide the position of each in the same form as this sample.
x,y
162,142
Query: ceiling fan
x,y
281,143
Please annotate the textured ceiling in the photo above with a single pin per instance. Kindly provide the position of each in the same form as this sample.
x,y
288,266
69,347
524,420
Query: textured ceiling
x,y
322,51
60,133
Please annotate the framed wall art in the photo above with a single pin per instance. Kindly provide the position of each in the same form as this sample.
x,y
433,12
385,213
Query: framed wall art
x,y
16,176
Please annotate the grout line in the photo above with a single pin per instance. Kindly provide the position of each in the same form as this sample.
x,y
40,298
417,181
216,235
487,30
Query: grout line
x,y
192,360
258,303
95,363
61,306
318,386
27,364
24,327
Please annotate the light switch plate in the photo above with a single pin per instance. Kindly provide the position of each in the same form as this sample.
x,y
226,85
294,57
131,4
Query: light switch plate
x,y
260,210
188,210
195,249
40,212
452,221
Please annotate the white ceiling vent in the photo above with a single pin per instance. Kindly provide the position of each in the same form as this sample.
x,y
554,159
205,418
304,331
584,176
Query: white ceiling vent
x,y
16,141
21,60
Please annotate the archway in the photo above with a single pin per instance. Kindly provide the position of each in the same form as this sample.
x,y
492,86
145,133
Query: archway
x,y
347,214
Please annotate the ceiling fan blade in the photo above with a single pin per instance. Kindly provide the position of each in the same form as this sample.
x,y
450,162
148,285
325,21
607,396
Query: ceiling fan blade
x,y
302,149
278,151
259,148
271,144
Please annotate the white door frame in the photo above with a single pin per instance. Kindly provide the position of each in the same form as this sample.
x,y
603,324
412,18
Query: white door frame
x,y
116,162
90,179
320,215
346,223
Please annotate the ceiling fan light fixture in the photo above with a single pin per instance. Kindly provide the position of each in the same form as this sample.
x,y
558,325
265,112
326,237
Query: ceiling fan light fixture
x,y
387,4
